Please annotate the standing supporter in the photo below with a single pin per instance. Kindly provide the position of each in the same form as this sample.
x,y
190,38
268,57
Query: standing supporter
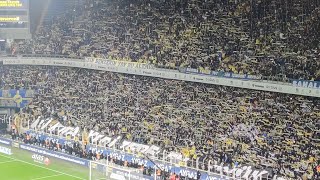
x,y
211,123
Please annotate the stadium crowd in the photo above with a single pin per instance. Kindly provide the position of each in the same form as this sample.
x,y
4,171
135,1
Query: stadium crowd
x,y
269,38
231,126
76,149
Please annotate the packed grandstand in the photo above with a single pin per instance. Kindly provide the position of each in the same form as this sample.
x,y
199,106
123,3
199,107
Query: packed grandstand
x,y
202,123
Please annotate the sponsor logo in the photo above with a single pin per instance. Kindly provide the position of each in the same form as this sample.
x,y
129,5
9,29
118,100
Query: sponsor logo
x,y
58,63
5,142
306,84
55,155
5,150
40,159
258,86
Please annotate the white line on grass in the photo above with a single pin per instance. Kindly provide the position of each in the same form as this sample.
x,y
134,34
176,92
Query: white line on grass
x,y
44,177
7,161
42,167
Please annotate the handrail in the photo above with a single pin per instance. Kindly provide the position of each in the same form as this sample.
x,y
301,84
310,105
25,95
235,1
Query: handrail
x,y
158,159
270,79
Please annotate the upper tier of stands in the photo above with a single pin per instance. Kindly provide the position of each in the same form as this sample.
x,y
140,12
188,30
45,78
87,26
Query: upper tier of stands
x,y
269,37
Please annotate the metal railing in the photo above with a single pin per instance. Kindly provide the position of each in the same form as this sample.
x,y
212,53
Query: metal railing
x,y
280,78
210,167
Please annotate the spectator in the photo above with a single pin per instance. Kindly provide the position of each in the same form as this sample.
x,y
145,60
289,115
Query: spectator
x,y
223,124
269,38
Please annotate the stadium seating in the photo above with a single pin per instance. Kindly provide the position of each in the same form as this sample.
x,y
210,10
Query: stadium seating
x,y
224,124
228,125
269,38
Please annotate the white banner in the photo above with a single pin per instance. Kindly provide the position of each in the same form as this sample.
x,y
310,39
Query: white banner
x,y
149,70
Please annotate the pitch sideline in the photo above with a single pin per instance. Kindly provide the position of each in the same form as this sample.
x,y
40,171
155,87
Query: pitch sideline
x,y
42,167
3,162
44,177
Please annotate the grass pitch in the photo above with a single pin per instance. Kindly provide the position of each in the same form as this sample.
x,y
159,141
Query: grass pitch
x,y
21,166
13,169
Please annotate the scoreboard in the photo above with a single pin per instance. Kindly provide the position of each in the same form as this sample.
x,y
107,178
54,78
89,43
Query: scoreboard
x,y
14,4
14,19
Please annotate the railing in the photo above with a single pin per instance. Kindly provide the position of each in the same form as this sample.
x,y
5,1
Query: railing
x,y
212,168
271,79
57,56
197,164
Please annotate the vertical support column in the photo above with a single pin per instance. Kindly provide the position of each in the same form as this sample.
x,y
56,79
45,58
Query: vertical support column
x,y
90,171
